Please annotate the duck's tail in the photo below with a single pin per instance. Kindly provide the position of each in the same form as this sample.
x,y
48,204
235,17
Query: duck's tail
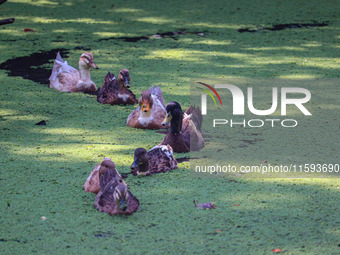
x,y
196,116
109,77
156,91
56,67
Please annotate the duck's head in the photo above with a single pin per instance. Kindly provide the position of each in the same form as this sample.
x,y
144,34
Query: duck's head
x,y
145,101
174,116
124,77
106,165
141,161
121,196
86,61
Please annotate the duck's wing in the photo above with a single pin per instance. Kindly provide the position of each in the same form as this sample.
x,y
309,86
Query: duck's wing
x,y
92,183
161,159
118,177
109,77
61,66
106,92
104,200
186,123
173,161
179,142
196,116
191,133
157,92
131,99
132,120
112,93
133,204
108,176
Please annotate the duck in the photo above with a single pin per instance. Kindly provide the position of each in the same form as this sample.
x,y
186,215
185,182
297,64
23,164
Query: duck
x,y
65,78
182,128
92,183
115,90
157,160
150,112
114,196
193,121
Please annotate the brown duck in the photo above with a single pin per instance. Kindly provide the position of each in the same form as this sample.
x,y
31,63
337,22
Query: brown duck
x,y
157,160
150,112
183,130
115,91
92,183
114,196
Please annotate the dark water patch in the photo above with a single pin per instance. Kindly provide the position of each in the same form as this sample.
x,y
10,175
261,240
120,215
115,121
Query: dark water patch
x,y
41,123
92,93
10,240
250,142
187,159
125,175
279,27
164,131
103,234
181,160
172,35
30,67
82,48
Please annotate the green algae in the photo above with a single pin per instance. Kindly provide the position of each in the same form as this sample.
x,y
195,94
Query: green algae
x,y
43,168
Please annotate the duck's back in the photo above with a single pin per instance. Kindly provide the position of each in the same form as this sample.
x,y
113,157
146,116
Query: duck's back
x,y
161,159
105,200
157,94
64,77
191,130
112,93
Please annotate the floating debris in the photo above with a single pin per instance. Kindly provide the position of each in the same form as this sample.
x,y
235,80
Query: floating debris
x,y
29,30
209,205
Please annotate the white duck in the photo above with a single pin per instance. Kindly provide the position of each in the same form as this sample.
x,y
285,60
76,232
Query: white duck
x,y
65,78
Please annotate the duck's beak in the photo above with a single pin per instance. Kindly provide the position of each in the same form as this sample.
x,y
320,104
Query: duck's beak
x,y
167,119
123,205
93,65
145,106
126,81
135,164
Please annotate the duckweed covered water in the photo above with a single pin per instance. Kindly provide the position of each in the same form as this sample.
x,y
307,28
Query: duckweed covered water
x,y
43,208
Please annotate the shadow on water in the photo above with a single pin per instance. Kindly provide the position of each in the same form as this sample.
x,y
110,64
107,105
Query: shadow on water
x,y
172,35
30,67
279,27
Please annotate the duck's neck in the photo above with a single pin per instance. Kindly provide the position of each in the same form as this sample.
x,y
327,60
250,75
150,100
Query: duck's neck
x,y
176,124
122,86
146,114
144,167
84,73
